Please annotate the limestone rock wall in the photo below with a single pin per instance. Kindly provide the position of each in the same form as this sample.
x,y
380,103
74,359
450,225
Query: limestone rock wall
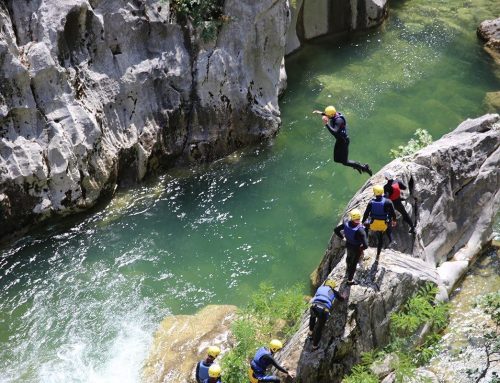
x,y
314,18
454,196
99,93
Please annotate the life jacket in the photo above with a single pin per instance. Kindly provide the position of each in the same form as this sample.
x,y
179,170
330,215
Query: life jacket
x,y
396,191
324,296
350,233
343,128
202,371
260,366
378,211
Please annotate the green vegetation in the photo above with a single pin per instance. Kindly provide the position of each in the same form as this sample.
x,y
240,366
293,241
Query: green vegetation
x,y
421,140
490,303
407,350
206,15
270,314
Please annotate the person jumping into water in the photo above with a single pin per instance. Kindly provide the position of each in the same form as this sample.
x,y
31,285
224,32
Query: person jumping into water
x,y
336,124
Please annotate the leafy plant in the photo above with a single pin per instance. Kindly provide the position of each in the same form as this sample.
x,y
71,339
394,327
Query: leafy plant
x,y
490,303
409,350
361,374
269,314
421,140
207,15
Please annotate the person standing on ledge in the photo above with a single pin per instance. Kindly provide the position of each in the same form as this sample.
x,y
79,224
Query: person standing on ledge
x,y
356,242
336,124
204,365
392,190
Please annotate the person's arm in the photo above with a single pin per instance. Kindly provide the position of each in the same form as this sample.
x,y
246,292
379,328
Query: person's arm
x,y
389,208
338,231
402,185
367,212
335,129
274,363
198,373
388,189
361,233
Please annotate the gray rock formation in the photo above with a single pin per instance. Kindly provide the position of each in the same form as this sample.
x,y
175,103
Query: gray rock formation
x,y
182,340
99,93
454,195
489,31
313,18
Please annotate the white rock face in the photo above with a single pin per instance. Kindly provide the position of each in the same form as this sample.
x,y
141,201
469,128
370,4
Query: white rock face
x,y
454,195
316,18
98,93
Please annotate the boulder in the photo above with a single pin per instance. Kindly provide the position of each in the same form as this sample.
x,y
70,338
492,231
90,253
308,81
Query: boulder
x,y
182,340
454,195
489,31
101,93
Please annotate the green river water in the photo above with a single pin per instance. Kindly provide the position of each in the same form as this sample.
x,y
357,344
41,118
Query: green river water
x,y
80,300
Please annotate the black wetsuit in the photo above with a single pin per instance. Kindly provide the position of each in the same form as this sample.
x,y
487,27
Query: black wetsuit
x,y
398,204
337,126
390,215
354,251
319,315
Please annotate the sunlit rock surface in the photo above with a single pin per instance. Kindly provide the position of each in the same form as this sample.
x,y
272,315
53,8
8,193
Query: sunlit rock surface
x,y
100,93
182,341
453,197
489,31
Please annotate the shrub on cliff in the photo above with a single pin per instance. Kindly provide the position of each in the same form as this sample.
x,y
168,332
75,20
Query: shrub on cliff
x,y
269,314
408,348
207,15
421,140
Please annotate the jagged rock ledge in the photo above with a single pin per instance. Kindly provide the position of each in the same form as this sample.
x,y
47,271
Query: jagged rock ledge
x,y
454,195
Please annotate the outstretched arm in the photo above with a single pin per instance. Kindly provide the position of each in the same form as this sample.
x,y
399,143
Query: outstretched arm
x,y
274,363
338,231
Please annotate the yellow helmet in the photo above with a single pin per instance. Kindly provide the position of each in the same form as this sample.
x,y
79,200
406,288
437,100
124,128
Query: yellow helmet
x,y
213,351
214,371
275,345
378,190
330,111
330,283
354,214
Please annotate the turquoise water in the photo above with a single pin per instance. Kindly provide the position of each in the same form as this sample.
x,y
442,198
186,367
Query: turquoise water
x,y
80,300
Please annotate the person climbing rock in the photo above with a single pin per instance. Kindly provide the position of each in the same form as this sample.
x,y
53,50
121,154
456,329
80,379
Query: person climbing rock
x,y
356,241
214,373
262,360
380,216
204,365
321,305
392,190
336,124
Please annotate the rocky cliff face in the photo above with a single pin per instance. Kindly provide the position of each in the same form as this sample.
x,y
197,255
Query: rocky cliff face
x,y
99,93
313,18
454,195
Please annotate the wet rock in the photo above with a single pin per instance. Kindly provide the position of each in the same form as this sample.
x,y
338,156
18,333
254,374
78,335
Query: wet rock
x,y
489,31
454,196
182,341
492,101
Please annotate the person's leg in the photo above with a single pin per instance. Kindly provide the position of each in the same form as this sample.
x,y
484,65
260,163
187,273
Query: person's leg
x,y
322,317
380,238
398,205
352,259
312,319
341,155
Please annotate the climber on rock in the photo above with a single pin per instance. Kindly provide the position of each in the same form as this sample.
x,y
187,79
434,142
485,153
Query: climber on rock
x,y
321,305
392,190
380,217
356,242
214,373
263,359
336,124
204,365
